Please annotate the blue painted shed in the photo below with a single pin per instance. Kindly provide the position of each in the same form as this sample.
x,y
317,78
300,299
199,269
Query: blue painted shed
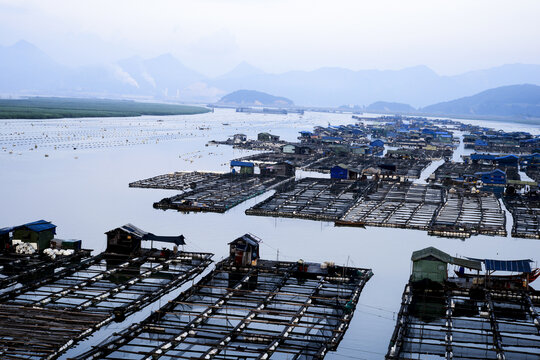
x,y
338,172
480,142
377,142
496,176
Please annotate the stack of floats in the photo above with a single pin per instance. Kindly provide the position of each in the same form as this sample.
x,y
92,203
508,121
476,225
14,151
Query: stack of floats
x,y
18,268
248,308
219,194
43,318
314,199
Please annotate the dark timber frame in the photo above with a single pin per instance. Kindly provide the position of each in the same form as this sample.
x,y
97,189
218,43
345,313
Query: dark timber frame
x,y
43,319
474,323
248,313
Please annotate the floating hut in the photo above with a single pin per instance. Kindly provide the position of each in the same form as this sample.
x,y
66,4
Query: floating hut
x,y
443,317
43,318
248,308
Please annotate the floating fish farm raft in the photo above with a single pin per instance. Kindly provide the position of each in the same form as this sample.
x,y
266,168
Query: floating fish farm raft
x,y
183,180
476,315
222,193
398,205
248,309
314,199
463,215
42,319
454,170
526,214
403,153
19,269
407,168
467,323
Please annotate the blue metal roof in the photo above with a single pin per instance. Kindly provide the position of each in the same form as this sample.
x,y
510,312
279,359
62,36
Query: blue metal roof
x,y
6,230
508,265
38,226
483,157
241,163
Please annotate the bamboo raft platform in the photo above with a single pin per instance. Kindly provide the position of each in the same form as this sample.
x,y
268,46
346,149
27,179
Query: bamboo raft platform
x,y
396,205
20,269
82,299
465,214
313,199
183,180
223,193
273,309
526,215
460,323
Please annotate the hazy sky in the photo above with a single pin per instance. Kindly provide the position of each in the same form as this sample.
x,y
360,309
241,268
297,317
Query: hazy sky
x,y
212,36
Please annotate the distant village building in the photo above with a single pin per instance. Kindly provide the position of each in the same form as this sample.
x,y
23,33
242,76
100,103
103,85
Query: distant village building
x,y
264,136
38,233
279,169
239,138
244,167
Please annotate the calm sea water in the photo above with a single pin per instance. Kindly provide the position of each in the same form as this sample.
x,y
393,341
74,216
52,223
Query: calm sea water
x,y
85,193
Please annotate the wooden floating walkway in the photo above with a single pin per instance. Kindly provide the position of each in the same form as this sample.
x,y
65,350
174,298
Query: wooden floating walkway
x,y
313,198
526,215
459,323
223,193
271,310
88,296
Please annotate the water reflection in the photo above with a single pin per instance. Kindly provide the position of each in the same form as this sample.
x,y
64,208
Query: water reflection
x,y
89,195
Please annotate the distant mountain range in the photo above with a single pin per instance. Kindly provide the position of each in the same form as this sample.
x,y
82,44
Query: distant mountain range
x,y
254,98
507,101
389,107
26,70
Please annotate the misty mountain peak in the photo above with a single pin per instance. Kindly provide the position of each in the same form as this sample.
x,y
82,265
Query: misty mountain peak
x,y
243,69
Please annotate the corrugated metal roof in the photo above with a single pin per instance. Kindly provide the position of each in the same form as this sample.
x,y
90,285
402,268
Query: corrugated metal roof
x,y
241,163
38,226
6,230
508,265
